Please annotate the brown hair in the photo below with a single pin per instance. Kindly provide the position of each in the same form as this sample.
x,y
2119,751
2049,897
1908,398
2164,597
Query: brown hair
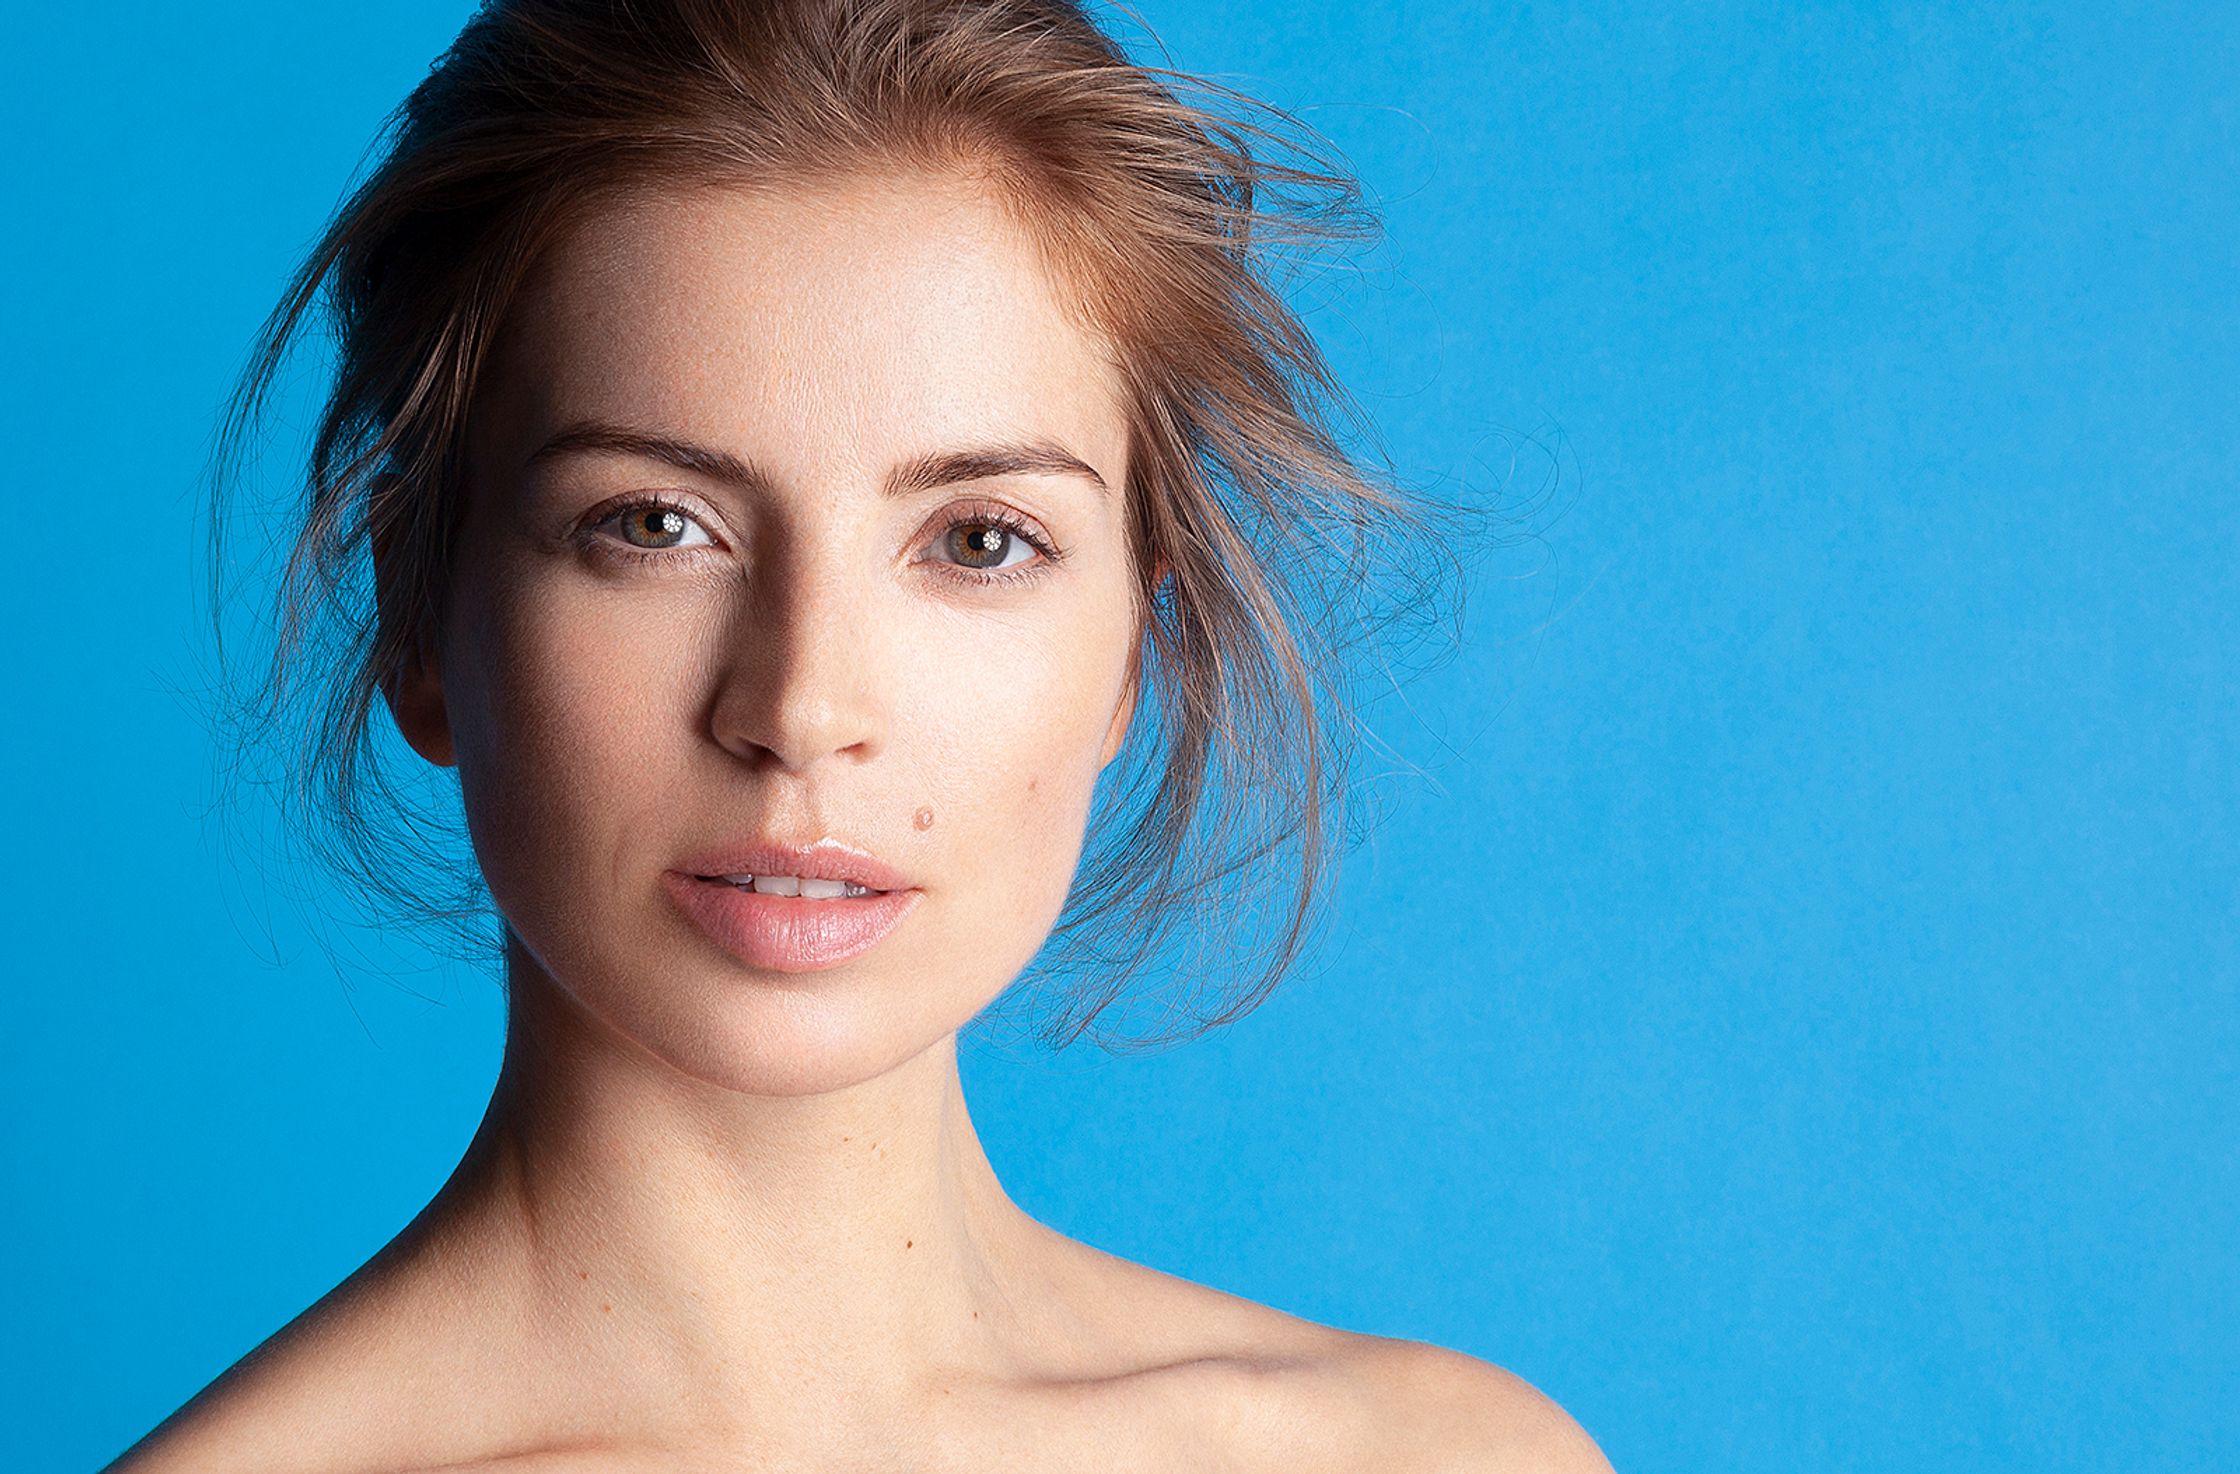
x,y
1176,210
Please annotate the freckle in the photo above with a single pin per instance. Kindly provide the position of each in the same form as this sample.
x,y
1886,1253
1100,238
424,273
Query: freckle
x,y
925,818
606,1307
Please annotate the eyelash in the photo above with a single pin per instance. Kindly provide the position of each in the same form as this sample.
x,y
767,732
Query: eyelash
x,y
970,515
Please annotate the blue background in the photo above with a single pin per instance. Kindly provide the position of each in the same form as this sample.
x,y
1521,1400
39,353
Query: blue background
x,y
1789,1012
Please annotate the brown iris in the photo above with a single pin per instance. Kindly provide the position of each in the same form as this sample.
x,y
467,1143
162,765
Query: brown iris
x,y
661,522
972,540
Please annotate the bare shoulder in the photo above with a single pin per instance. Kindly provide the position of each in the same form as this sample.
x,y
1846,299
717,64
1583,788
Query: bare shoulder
x,y
1304,1395
264,1411
330,1392
1456,1414
218,1428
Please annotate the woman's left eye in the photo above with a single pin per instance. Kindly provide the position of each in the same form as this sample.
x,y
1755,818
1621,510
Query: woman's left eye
x,y
653,526
987,546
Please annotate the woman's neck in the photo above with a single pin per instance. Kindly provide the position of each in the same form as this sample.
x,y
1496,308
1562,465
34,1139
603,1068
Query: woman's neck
x,y
675,1244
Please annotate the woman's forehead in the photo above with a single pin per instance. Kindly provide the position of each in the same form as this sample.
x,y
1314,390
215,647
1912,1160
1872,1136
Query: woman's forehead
x,y
874,306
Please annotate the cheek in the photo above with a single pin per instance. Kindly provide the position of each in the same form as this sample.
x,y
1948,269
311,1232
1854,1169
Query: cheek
x,y
1014,766
568,736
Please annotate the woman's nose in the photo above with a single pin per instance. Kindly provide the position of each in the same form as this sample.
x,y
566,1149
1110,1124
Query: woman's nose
x,y
798,672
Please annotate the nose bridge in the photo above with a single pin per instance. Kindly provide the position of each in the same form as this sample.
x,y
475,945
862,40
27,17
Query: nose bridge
x,y
796,678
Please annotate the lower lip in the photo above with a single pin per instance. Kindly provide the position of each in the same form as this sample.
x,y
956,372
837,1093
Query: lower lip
x,y
787,933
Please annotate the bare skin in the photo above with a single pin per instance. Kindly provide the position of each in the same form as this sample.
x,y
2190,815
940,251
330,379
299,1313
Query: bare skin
x,y
731,1219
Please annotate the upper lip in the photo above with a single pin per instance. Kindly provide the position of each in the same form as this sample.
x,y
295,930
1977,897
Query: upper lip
x,y
823,859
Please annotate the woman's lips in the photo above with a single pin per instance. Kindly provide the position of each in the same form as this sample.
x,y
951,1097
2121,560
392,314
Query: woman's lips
x,y
787,933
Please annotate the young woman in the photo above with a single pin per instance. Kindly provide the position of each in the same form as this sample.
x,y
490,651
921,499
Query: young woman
x,y
790,443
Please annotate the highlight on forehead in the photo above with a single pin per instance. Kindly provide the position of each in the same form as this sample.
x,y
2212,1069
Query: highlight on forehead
x,y
1101,283
1095,259
1078,291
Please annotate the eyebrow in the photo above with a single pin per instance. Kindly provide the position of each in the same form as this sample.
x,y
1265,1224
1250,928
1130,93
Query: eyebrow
x,y
1032,457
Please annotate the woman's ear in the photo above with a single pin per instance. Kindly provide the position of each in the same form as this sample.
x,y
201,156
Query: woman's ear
x,y
414,691
1122,718
1131,689
1117,733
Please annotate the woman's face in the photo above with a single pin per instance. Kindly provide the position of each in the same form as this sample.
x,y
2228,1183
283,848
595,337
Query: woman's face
x,y
830,624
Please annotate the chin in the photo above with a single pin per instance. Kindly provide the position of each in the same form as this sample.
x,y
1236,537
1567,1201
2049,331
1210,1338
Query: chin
x,y
742,1029
787,1040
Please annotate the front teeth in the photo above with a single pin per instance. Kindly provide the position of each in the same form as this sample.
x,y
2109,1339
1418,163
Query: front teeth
x,y
794,885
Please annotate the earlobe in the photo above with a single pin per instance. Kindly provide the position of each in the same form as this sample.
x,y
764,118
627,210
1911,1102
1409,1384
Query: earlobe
x,y
414,692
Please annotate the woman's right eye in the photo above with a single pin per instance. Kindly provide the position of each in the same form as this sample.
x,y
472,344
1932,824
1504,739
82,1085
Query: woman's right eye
x,y
652,525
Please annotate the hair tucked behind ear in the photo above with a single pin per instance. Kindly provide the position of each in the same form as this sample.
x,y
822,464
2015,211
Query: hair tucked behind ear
x,y
1174,210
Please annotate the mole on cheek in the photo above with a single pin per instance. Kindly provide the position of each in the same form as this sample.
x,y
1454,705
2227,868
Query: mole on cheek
x,y
925,819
